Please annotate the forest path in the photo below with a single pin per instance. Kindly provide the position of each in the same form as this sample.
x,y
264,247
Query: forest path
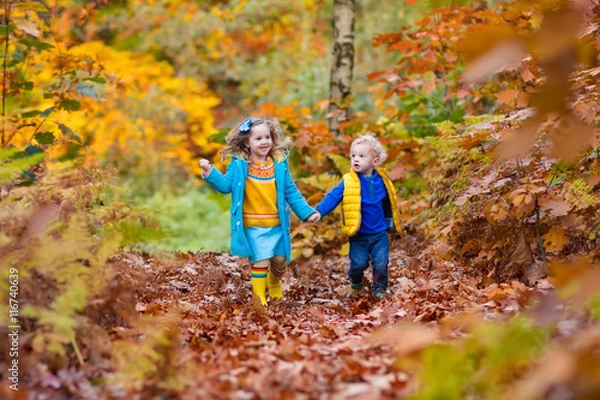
x,y
317,343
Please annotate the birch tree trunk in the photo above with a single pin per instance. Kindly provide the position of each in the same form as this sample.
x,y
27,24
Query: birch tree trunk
x,y
340,85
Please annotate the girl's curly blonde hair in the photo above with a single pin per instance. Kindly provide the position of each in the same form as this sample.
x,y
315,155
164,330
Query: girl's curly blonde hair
x,y
237,140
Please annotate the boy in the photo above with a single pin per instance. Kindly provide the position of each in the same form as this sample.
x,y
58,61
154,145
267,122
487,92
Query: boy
x,y
369,210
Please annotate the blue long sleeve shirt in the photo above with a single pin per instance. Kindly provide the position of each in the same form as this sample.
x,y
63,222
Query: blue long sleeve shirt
x,y
372,193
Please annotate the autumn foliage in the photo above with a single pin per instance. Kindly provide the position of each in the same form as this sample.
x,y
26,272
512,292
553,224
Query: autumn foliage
x,y
490,117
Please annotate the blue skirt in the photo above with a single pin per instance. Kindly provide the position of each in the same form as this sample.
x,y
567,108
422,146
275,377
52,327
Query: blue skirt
x,y
265,243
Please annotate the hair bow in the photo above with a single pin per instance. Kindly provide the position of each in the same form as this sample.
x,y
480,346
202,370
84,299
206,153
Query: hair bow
x,y
245,127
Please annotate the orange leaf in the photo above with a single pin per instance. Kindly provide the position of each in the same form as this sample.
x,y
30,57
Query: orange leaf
x,y
527,75
268,108
494,292
522,100
302,141
402,46
507,96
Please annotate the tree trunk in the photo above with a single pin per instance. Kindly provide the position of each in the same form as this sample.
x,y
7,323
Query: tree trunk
x,y
340,85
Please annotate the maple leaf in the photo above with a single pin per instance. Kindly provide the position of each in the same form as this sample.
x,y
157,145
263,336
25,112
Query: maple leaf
x,y
397,172
527,75
472,191
508,95
555,240
494,292
569,137
503,56
555,207
302,141
496,211
522,197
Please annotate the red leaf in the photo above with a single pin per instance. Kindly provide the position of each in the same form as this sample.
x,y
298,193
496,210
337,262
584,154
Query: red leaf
x,y
374,75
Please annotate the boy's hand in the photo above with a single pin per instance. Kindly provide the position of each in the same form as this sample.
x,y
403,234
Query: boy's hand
x,y
314,217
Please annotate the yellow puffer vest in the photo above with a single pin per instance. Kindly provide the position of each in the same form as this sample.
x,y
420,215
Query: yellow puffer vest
x,y
351,204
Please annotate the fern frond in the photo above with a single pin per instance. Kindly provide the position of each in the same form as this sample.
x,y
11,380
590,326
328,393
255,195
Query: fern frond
x,y
342,163
324,182
11,165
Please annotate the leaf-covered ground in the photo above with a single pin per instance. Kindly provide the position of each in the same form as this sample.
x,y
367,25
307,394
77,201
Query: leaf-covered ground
x,y
211,340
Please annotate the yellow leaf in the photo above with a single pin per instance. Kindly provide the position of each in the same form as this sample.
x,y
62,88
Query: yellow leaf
x,y
496,211
519,199
307,252
555,240
345,249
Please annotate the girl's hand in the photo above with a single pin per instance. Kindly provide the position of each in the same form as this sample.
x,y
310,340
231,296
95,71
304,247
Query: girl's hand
x,y
205,165
314,217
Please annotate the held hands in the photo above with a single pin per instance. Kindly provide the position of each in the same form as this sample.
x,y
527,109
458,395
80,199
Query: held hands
x,y
314,217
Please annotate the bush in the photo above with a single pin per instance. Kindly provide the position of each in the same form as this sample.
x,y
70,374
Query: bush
x,y
193,220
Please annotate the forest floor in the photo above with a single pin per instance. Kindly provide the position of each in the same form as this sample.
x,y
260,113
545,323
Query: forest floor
x,y
214,341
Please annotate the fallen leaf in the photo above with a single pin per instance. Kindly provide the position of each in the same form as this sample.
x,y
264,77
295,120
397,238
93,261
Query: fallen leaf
x,y
554,206
507,96
555,240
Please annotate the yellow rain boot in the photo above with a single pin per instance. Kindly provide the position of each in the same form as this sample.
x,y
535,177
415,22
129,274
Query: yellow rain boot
x,y
278,267
259,280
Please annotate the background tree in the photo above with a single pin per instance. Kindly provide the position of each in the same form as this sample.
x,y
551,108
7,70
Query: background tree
x,y
342,65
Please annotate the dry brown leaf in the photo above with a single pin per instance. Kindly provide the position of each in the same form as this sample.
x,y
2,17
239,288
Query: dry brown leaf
x,y
518,141
569,137
522,254
504,55
554,206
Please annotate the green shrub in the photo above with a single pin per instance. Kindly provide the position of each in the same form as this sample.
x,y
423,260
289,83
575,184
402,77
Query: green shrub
x,y
193,220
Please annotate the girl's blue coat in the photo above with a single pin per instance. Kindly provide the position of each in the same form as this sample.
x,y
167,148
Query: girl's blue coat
x,y
234,182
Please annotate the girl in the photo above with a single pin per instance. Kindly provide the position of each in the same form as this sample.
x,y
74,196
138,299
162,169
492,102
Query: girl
x,y
260,184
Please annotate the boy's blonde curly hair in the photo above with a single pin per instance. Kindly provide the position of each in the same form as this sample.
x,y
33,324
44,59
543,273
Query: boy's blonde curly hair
x,y
237,140
369,139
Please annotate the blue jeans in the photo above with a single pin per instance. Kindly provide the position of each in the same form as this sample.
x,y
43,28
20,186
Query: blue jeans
x,y
374,248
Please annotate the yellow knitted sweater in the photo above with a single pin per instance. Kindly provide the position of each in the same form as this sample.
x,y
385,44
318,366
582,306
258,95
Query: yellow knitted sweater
x,y
260,197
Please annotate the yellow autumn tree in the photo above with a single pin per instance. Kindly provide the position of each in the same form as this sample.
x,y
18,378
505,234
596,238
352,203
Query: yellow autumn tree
x,y
146,119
